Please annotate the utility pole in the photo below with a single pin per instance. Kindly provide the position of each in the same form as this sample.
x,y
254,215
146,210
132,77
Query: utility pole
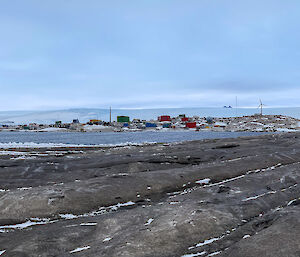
x,y
236,105
110,114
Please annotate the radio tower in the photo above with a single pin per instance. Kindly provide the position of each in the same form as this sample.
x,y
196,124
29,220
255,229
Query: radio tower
x,y
110,115
236,106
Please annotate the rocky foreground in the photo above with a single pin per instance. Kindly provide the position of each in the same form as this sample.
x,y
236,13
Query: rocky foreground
x,y
225,197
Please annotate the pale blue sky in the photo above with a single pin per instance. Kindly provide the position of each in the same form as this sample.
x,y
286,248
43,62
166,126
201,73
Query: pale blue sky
x,y
148,53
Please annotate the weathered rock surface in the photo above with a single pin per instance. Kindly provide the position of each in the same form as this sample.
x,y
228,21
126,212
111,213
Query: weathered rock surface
x,y
225,197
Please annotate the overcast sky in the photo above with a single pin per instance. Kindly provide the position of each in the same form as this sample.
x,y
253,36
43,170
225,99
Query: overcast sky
x,y
148,53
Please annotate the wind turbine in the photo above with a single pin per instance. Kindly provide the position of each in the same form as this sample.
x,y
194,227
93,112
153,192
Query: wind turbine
x,y
261,107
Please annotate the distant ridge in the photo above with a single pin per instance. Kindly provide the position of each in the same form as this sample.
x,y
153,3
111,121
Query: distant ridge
x,y
85,114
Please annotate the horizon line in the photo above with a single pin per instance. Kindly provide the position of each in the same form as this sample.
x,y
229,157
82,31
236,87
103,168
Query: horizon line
x,y
146,108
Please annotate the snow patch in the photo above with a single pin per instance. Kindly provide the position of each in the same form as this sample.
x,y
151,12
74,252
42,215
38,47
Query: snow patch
x,y
149,221
206,242
203,181
23,158
225,181
24,188
194,254
292,201
79,249
68,216
88,224
119,205
12,153
213,254
209,241
57,145
258,196
100,211
52,130
29,223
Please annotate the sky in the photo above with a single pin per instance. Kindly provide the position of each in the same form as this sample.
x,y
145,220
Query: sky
x,y
148,53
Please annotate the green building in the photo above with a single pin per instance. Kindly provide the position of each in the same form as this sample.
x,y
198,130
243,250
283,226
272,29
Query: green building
x,y
123,119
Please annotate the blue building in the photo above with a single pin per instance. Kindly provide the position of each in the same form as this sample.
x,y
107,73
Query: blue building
x,y
150,125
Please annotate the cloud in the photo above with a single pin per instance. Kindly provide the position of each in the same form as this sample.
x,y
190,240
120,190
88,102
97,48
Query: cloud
x,y
146,54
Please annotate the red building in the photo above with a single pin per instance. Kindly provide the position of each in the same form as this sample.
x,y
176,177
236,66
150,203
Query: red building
x,y
185,119
164,118
190,125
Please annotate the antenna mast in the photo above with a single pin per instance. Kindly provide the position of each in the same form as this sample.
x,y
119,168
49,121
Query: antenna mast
x,y
110,114
236,104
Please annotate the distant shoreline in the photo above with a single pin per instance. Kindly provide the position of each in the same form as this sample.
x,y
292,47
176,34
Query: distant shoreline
x,y
85,114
